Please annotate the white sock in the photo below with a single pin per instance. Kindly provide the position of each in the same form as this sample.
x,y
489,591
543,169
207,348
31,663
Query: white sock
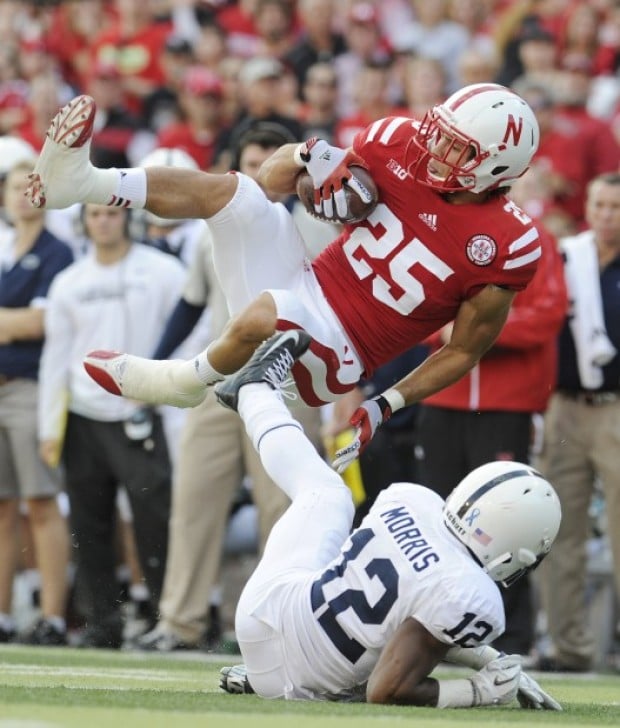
x,y
287,455
204,371
456,694
139,592
132,187
57,622
117,187
6,622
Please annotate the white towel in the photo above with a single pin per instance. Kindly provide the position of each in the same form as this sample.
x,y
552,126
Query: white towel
x,y
594,349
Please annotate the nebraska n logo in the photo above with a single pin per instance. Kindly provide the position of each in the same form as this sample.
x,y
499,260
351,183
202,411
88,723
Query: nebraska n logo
x,y
513,129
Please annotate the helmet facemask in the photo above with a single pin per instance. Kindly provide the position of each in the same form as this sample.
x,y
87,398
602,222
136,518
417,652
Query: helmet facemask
x,y
427,137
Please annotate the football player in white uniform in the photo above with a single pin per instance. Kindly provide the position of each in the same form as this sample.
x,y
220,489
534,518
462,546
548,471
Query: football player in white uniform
x,y
329,614
443,244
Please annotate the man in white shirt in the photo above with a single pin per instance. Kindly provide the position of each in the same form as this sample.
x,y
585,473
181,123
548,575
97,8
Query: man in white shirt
x,y
121,293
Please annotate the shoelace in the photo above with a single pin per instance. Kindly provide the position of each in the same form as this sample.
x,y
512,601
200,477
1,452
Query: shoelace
x,y
277,375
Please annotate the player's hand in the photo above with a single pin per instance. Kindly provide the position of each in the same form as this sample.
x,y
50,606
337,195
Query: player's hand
x,y
530,695
498,681
366,418
235,680
329,168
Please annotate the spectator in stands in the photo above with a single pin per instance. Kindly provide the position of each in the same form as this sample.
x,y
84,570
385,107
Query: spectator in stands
x,y
476,66
317,113
30,258
371,101
46,94
474,16
237,21
161,106
70,34
200,100
134,43
121,292
115,126
274,23
574,146
262,93
581,42
319,40
425,85
538,53
433,35
365,46
581,439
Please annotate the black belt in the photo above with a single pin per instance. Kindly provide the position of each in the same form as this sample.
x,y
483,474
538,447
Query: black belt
x,y
5,380
592,399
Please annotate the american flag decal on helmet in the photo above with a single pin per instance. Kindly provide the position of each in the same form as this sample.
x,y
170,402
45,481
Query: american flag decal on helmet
x,y
482,537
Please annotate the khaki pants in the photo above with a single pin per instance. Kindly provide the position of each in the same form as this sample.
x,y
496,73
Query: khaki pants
x,y
581,442
214,456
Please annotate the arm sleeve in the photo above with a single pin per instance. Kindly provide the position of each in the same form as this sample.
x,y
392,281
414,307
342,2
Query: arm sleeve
x,y
179,326
54,370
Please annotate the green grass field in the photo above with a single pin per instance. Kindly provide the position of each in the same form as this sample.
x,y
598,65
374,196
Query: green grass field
x,y
51,687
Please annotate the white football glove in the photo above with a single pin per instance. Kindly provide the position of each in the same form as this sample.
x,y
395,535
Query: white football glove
x,y
497,682
329,168
531,695
235,680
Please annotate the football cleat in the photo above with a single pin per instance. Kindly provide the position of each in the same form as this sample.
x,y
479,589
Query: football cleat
x,y
61,175
146,380
234,680
271,364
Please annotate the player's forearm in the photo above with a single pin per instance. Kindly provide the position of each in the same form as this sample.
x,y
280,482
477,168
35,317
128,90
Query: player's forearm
x,y
279,172
440,370
21,324
474,657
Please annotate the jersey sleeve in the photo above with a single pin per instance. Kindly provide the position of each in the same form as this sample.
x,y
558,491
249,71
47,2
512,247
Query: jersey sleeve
x,y
463,612
384,139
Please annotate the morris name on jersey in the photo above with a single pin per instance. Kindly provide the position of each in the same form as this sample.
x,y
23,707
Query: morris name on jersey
x,y
402,526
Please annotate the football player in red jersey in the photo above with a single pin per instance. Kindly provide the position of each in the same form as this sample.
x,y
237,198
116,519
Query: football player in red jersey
x,y
443,244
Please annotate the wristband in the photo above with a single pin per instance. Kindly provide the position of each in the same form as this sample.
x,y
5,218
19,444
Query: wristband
x,y
301,151
394,398
457,694
474,657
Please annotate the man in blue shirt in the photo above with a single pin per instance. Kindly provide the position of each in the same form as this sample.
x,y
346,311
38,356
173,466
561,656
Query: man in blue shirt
x,y
30,257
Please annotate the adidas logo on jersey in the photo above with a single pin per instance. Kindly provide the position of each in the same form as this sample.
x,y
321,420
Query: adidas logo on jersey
x,y
429,219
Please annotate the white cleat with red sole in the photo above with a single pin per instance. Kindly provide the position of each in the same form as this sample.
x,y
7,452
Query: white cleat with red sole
x,y
62,174
146,380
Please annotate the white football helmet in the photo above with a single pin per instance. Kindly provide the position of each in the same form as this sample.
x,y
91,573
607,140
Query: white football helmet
x,y
497,129
14,150
166,157
507,515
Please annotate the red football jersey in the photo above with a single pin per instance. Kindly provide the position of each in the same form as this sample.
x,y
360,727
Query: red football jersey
x,y
403,273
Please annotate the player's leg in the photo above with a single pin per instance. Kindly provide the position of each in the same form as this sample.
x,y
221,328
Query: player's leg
x,y
64,175
256,247
312,530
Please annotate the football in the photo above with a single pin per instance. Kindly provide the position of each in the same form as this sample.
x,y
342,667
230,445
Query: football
x,y
358,209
